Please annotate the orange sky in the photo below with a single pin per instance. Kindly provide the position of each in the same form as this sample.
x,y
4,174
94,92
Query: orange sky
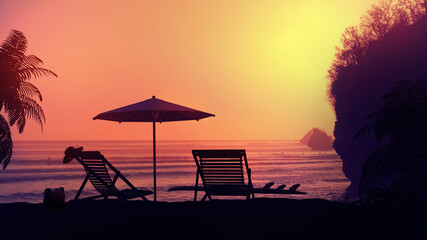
x,y
259,66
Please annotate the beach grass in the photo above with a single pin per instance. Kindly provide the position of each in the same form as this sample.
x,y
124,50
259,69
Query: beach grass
x,y
224,219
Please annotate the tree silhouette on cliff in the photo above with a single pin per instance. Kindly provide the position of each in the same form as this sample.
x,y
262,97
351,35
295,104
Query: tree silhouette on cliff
x,y
403,121
377,21
18,97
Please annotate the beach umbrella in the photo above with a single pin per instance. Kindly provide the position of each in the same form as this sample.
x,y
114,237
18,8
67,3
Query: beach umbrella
x,y
153,110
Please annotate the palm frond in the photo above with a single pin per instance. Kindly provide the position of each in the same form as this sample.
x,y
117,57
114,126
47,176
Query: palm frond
x,y
31,61
29,90
16,116
15,43
12,105
21,122
380,127
24,107
25,74
401,107
13,49
420,99
381,163
6,143
33,111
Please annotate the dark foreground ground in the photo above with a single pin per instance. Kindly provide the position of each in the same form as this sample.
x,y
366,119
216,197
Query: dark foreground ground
x,y
232,219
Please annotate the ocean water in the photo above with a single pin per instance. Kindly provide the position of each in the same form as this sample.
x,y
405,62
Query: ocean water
x,y
37,165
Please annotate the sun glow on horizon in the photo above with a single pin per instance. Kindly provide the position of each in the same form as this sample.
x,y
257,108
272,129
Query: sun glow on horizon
x,y
260,67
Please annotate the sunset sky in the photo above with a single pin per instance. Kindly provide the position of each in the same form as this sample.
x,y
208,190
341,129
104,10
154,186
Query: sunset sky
x,y
259,66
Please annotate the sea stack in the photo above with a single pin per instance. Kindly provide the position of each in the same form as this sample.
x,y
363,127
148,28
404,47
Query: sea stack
x,y
317,140
306,138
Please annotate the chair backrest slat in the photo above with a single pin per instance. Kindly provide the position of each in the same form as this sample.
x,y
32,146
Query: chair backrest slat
x,y
221,167
95,168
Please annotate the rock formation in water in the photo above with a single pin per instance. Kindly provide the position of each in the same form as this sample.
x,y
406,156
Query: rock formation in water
x,y
306,138
317,140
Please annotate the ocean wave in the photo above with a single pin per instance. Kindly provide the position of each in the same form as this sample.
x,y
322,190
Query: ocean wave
x,y
8,179
63,176
37,197
31,197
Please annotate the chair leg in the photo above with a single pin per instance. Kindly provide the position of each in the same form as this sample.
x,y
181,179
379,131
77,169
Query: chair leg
x,y
112,186
144,198
81,187
204,197
196,186
249,196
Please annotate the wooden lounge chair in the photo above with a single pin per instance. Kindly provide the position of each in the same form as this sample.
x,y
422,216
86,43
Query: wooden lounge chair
x,y
95,166
222,173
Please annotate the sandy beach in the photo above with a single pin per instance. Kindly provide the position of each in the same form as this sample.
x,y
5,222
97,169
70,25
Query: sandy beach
x,y
224,219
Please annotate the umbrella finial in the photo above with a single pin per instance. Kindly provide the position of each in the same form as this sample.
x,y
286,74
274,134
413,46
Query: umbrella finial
x,y
154,96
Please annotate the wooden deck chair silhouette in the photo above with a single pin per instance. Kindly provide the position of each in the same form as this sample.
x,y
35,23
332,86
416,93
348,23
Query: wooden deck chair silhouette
x,y
95,166
222,173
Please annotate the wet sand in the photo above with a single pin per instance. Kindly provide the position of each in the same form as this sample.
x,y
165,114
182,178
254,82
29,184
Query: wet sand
x,y
225,219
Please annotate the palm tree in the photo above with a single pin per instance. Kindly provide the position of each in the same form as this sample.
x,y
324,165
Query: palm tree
x,y
402,122
16,92
6,143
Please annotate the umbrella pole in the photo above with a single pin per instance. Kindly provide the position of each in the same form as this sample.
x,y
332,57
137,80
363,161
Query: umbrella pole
x,y
154,159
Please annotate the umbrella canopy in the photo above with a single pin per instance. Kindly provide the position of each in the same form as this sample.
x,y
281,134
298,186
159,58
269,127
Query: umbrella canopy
x,y
153,110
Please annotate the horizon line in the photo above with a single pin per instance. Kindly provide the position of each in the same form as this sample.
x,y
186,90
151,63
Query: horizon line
x,y
47,140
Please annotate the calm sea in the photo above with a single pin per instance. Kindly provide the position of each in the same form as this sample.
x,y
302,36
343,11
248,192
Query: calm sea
x,y
37,165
